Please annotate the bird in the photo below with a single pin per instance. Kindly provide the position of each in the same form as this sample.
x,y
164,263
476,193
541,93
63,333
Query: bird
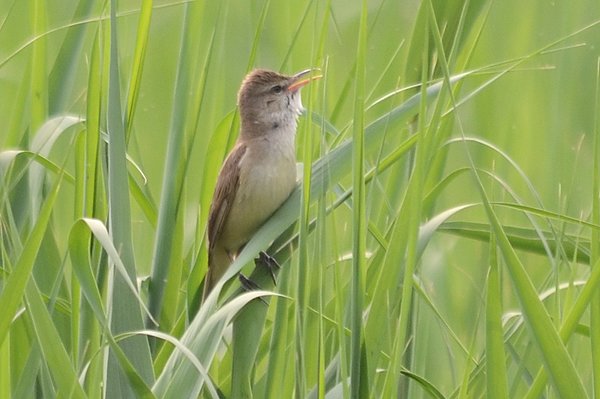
x,y
259,173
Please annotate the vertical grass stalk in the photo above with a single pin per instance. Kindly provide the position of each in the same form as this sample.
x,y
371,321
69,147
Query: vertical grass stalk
x,y
126,312
359,222
495,360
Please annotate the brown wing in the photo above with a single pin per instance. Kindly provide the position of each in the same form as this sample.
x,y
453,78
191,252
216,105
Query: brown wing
x,y
227,185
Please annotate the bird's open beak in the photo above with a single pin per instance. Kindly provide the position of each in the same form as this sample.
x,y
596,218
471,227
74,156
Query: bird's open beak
x,y
299,82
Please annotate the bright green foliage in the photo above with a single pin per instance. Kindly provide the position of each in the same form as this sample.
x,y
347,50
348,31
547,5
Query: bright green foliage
x,y
442,242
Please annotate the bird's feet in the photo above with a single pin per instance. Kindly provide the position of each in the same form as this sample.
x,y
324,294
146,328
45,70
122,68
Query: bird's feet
x,y
263,260
249,285
266,260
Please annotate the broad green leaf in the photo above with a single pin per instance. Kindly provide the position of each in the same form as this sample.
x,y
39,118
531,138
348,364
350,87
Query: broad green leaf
x,y
79,240
125,310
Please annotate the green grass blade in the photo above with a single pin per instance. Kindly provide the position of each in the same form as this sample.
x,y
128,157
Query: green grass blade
x,y
257,34
426,385
102,235
79,240
51,345
126,314
24,387
12,136
137,68
182,349
497,381
303,339
92,137
179,378
527,240
247,332
62,77
11,156
42,143
556,358
5,361
91,179
15,284
39,83
570,324
359,227
174,166
321,249
278,368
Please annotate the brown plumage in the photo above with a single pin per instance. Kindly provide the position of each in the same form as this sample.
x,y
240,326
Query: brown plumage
x,y
260,171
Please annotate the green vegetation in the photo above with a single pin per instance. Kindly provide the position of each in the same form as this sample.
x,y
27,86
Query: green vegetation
x,y
444,240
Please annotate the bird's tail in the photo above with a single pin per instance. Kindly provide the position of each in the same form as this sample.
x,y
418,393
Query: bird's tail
x,y
218,262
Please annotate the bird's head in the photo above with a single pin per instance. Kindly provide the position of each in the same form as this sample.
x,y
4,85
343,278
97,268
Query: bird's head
x,y
269,100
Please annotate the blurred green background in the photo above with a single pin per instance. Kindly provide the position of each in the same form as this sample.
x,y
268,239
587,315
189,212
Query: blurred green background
x,y
541,114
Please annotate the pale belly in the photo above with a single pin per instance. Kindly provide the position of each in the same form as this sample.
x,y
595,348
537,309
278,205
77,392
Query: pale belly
x,y
263,188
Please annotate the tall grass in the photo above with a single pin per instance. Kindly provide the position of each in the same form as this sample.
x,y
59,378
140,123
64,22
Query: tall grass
x,y
442,242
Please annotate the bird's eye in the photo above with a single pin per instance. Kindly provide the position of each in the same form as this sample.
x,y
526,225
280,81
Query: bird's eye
x,y
277,89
